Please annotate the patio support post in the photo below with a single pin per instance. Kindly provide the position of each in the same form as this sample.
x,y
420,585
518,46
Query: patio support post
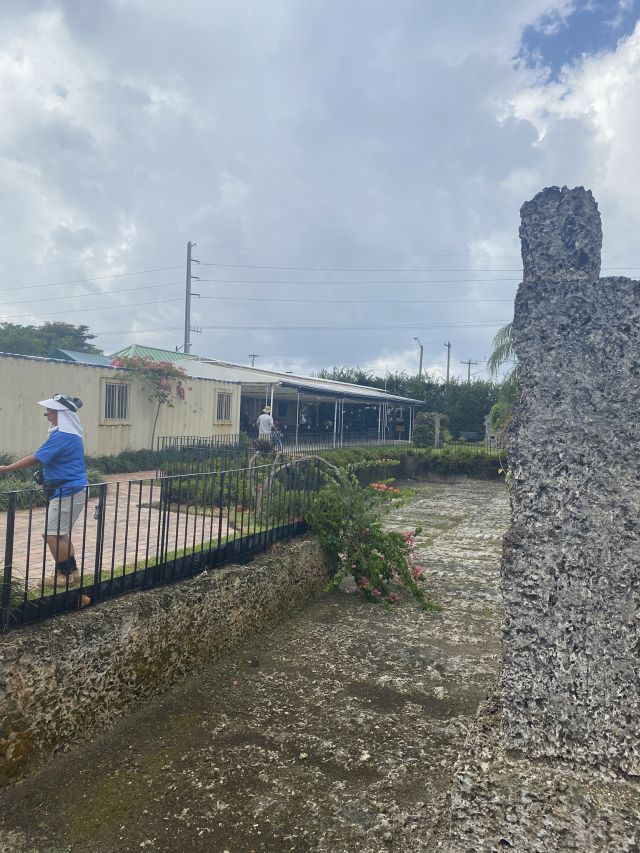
x,y
297,416
411,411
335,422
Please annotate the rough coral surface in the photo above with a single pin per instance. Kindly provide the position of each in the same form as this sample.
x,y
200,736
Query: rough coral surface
x,y
553,762
334,731
67,678
570,663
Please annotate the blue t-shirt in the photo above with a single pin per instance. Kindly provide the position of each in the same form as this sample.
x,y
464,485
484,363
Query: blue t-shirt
x,y
62,460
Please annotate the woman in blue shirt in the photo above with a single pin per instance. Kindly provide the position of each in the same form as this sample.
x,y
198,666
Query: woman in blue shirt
x,y
63,469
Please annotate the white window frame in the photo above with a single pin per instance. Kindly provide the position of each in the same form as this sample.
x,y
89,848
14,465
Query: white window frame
x,y
116,402
223,402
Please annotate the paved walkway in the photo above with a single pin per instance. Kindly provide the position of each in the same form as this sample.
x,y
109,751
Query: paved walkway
x,y
132,531
334,732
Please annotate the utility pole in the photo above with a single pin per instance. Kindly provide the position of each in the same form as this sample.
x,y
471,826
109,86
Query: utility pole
x,y
253,356
187,301
421,349
469,363
448,346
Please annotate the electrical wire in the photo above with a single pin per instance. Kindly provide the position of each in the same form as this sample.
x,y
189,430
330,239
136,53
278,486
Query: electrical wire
x,y
126,253
359,283
350,301
92,295
99,308
382,328
347,269
84,280
390,252
363,269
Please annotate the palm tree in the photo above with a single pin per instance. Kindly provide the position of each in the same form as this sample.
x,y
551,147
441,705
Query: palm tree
x,y
504,353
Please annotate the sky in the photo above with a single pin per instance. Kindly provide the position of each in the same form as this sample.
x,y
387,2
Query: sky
x,y
351,173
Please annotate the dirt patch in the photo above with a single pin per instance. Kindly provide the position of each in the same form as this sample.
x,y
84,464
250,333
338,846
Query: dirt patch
x,y
336,731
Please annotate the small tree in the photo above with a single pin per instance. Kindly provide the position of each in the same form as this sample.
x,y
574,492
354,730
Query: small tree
x,y
158,378
424,428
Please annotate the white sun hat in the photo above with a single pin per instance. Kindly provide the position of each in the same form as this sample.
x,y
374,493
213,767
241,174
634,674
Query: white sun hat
x,y
60,403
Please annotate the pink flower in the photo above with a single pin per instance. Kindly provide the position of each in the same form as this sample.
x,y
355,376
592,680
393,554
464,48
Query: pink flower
x,y
376,593
392,598
363,581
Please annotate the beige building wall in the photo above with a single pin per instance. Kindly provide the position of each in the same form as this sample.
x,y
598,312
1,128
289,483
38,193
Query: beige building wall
x,y
205,411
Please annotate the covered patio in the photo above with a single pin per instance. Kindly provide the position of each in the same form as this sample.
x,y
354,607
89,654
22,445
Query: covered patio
x,y
315,412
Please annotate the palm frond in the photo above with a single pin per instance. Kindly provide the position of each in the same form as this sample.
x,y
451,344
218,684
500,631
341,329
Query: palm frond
x,y
503,350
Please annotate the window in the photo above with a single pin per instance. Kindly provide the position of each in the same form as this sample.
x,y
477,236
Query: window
x,y
283,408
223,406
116,401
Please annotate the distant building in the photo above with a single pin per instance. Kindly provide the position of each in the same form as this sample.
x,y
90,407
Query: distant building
x,y
80,357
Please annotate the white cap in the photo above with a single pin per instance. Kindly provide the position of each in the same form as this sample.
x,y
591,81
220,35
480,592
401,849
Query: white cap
x,y
60,403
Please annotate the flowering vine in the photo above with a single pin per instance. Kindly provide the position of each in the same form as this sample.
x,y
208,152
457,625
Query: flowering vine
x,y
346,518
158,378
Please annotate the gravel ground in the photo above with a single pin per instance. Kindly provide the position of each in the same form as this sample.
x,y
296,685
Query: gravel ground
x,y
335,731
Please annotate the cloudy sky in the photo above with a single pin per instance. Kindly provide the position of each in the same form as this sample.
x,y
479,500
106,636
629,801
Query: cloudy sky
x,y
350,170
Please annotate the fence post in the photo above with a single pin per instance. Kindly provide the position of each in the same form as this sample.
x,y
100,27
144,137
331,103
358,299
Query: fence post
x,y
8,562
100,513
222,473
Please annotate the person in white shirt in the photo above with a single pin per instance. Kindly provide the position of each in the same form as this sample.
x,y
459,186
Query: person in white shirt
x,y
265,428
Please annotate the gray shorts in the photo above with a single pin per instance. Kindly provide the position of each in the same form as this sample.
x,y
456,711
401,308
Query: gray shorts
x,y
63,513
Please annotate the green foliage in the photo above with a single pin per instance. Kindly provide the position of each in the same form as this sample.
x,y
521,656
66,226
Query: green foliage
x,y
500,415
504,353
424,429
465,405
346,518
471,461
42,340
127,462
161,379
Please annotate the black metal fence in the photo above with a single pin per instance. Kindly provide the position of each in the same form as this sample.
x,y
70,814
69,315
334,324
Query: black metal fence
x,y
466,447
137,534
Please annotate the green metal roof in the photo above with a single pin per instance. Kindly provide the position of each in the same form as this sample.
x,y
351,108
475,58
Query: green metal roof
x,y
80,357
149,353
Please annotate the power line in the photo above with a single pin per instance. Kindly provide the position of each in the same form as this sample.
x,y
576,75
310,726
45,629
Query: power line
x,y
395,301
360,283
99,308
387,253
347,269
84,280
330,351
349,301
364,269
333,328
126,253
92,295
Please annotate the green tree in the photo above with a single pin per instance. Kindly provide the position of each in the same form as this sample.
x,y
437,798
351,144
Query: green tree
x,y
42,340
161,379
504,353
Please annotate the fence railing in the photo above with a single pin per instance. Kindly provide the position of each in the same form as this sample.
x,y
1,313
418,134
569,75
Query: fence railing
x,y
464,447
137,534
326,440
191,455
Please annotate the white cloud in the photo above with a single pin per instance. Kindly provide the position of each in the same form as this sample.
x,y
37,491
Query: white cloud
x,y
132,127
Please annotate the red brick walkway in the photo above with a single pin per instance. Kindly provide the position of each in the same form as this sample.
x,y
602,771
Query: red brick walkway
x,y
132,531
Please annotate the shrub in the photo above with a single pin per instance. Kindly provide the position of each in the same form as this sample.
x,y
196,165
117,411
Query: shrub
x,y
345,517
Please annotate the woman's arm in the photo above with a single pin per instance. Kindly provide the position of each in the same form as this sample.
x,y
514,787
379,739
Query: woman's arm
x,y
25,462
